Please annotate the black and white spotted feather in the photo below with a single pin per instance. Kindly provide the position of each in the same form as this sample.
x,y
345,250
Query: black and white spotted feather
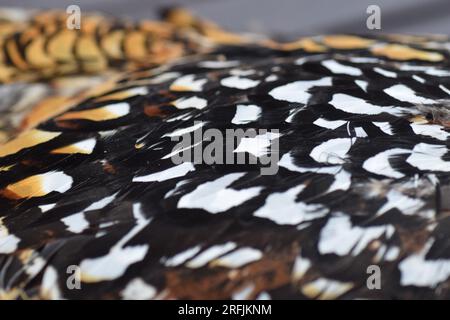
x,y
363,179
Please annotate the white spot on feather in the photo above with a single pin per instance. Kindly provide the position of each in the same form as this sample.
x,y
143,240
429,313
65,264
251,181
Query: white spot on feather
x,y
326,289
239,83
181,257
342,181
362,84
191,102
163,77
292,114
239,258
83,147
385,73
417,270
173,172
188,83
340,68
298,91
339,237
360,132
243,293
283,209
35,266
211,254
263,296
246,113
447,91
356,105
363,60
56,181
431,130
49,286
215,197
183,131
76,223
384,126
258,145
405,204
271,78
406,94
47,207
332,151
218,64
418,79
329,124
287,161
114,264
379,164
301,266
118,109
100,204
242,72
432,71
138,289
429,157
9,244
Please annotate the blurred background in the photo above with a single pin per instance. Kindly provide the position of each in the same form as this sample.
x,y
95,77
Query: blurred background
x,y
282,17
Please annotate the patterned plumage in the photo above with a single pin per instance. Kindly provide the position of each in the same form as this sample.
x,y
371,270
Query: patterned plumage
x,y
46,66
43,46
363,179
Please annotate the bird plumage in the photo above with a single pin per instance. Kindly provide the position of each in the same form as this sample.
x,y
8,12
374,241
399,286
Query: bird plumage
x,y
363,179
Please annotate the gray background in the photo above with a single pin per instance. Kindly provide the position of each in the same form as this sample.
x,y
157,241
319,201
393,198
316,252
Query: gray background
x,y
288,17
